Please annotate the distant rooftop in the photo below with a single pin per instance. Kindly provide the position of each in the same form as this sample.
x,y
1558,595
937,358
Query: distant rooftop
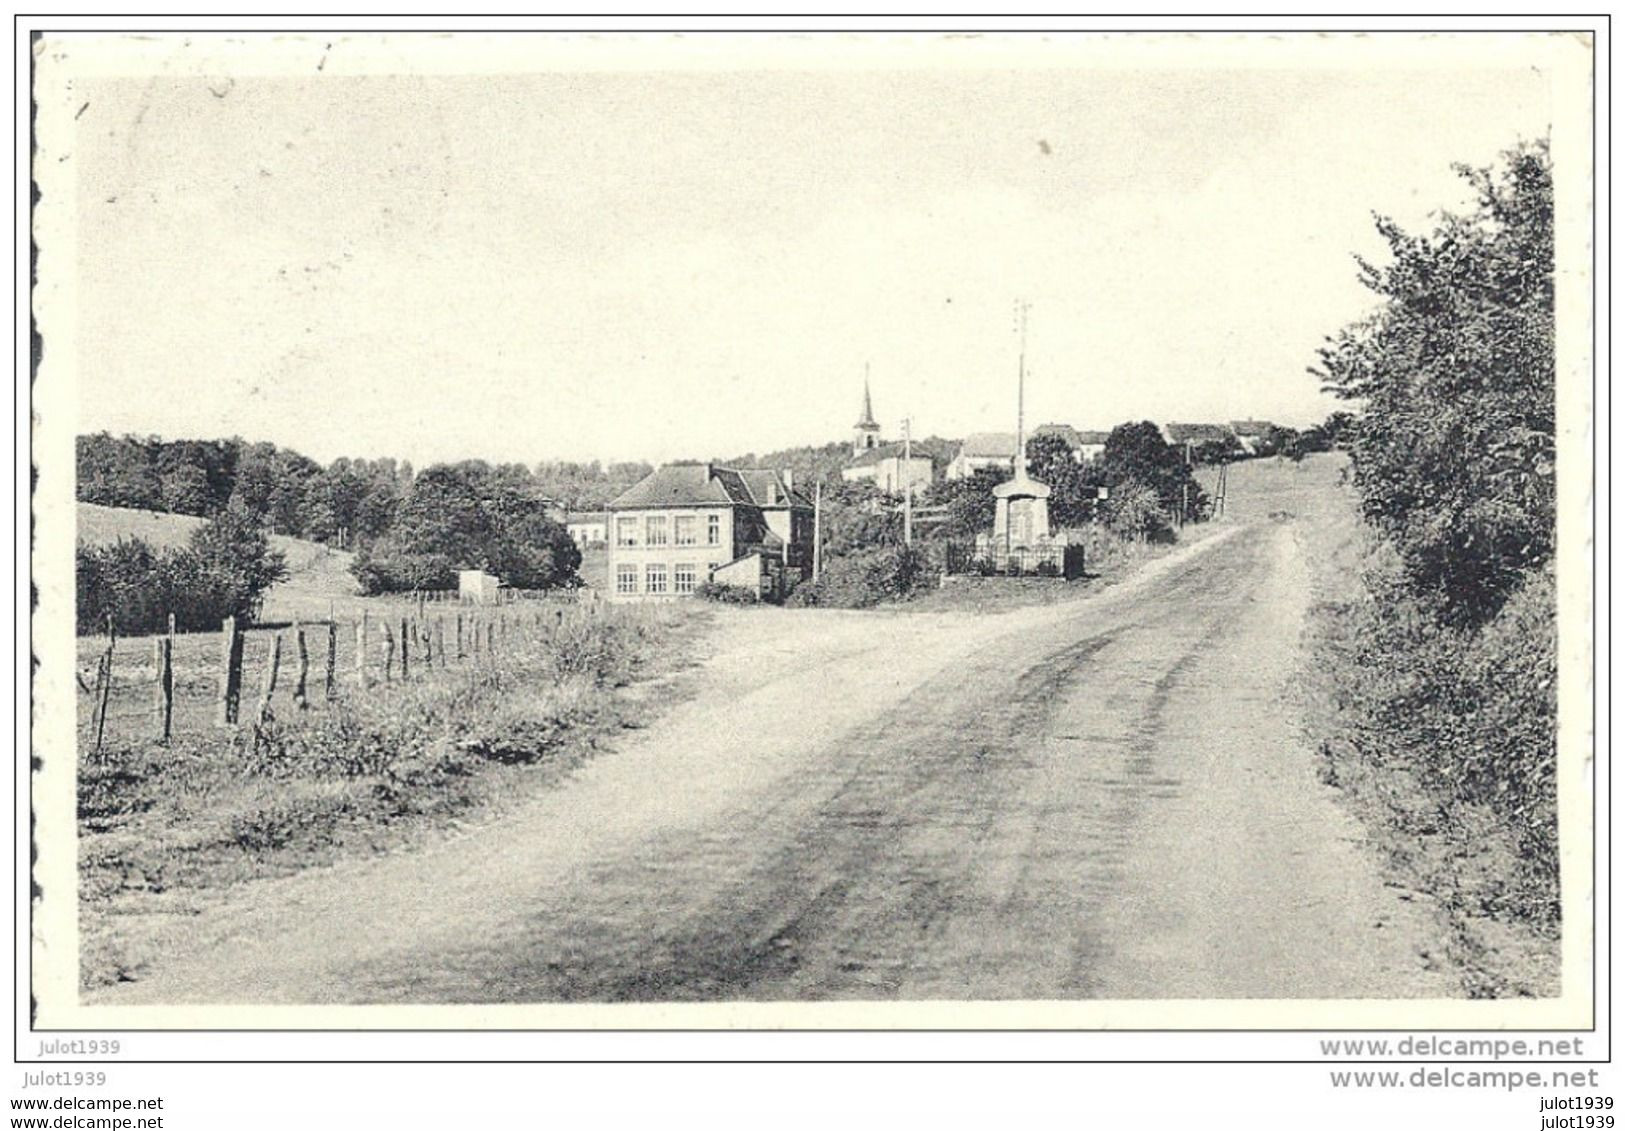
x,y
1198,434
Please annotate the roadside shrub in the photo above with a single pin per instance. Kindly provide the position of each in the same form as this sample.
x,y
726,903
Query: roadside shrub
x,y
1134,510
225,571
727,594
1470,712
861,580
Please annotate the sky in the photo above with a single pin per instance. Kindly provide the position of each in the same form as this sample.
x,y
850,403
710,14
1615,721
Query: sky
x,y
660,264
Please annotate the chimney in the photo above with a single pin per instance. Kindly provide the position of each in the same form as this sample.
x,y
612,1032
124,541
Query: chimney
x,y
708,471
789,479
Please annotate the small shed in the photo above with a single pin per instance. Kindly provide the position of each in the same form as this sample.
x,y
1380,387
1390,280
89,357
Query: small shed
x,y
475,586
759,572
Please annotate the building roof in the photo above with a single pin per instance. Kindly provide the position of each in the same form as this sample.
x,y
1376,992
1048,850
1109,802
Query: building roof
x,y
884,452
1074,438
584,516
1251,427
684,485
707,485
989,445
1064,431
1198,434
768,489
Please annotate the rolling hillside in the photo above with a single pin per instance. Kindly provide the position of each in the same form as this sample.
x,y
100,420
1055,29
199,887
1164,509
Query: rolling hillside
x,y
317,576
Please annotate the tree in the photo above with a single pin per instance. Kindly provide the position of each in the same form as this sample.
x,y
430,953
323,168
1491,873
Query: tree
x,y
119,472
235,562
1073,485
469,515
1455,450
1277,441
858,516
969,501
1133,510
1137,453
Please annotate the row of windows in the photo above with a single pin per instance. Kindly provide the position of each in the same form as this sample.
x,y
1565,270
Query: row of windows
x,y
683,531
683,578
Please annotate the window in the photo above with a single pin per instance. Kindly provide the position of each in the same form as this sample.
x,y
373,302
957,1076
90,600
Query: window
x,y
654,578
713,530
626,532
654,533
626,579
682,577
683,530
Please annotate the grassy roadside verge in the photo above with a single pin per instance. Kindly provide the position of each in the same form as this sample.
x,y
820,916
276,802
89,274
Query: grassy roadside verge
x,y
1438,842
1110,561
165,831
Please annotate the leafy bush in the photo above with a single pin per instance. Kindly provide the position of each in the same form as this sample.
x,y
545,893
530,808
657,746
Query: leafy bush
x,y
469,516
727,594
861,580
1470,712
1454,462
1134,510
1454,455
225,571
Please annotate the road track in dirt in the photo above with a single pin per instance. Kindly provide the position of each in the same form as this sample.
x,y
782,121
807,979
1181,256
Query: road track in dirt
x,y
1105,798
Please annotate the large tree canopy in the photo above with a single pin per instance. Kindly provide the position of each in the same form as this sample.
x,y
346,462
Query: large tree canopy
x,y
1454,453
469,515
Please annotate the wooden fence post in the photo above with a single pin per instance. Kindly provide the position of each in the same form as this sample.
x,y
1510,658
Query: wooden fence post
x,y
268,685
389,652
231,673
422,631
361,646
332,659
491,641
300,688
406,658
459,636
440,640
104,686
164,690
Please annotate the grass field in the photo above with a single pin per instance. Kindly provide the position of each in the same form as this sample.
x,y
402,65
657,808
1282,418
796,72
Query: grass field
x,y
167,827
318,582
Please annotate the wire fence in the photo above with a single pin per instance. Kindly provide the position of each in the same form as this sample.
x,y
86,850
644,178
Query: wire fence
x,y
159,687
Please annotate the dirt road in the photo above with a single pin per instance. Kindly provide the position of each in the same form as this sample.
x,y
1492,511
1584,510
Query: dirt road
x,y
1105,798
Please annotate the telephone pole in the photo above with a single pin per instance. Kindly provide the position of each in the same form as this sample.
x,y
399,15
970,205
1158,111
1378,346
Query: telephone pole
x,y
908,486
818,527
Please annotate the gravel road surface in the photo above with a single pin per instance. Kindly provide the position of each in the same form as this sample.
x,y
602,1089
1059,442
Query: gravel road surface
x,y
1102,798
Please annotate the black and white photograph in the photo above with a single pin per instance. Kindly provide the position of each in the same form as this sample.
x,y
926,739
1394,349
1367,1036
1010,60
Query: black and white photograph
x,y
1080,531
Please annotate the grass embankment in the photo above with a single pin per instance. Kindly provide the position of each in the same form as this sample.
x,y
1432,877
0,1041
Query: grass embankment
x,y
1429,735
166,829
1108,560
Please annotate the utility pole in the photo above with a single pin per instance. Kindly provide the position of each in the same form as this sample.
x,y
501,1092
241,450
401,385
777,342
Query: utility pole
x,y
1018,463
1185,488
908,486
818,527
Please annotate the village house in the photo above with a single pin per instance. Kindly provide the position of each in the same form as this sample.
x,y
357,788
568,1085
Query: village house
x,y
982,449
1251,433
998,449
588,528
1190,437
689,523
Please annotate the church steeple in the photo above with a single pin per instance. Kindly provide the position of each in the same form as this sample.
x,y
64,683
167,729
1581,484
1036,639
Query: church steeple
x,y
865,433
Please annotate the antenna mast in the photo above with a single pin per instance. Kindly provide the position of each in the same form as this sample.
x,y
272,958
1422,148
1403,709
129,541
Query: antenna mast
x,y
1020,461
